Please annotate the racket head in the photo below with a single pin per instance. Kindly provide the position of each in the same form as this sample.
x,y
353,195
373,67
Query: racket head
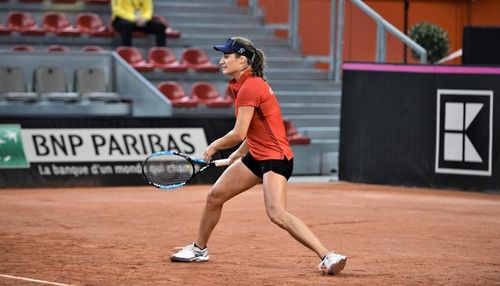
x,y
168,170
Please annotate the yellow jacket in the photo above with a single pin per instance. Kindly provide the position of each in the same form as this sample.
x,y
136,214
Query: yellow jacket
x,y
125,9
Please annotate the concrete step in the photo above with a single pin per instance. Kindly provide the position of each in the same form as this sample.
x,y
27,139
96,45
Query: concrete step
x,y
315,120
308,96
315,158
310,108
178,18
300,85
320,132
225,29
166,7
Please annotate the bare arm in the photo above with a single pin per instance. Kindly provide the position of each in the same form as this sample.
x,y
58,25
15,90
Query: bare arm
x,y
235,136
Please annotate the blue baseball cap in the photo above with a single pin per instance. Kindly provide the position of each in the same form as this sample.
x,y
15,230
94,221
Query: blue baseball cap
x,y
231,46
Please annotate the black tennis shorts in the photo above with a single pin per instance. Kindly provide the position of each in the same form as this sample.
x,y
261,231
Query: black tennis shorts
x,y
259,168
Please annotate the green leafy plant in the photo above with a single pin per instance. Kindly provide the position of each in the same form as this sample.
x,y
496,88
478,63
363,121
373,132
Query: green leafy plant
x,y
432,38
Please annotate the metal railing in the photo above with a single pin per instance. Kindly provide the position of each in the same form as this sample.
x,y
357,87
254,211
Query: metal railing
x,y
387,42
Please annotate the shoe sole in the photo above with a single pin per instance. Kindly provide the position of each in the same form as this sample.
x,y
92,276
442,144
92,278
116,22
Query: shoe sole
x,y
196,259
337,267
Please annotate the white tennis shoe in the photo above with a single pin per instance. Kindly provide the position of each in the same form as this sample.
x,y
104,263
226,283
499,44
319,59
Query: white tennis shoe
x,y
332,263
190,253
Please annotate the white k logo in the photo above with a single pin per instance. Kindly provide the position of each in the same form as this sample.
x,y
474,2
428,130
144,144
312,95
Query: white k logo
x,y
457,145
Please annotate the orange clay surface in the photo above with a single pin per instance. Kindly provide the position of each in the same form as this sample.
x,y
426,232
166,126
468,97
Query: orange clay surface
x,y
123,236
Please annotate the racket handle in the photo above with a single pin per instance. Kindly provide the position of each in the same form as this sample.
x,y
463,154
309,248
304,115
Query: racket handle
x,y
222,162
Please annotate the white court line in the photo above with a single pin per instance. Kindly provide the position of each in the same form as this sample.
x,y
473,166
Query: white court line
x,y
33,280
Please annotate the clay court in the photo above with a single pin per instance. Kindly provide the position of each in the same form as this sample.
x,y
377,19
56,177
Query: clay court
x,y
123,236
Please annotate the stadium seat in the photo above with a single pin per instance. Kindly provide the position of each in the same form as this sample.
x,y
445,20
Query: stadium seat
x,y
91,84
134,57
92,24
293,135
163,58
13,85
208,94
176,94
198,60
24,23
51,84
170,32
92,49
57,49
22,48
59,24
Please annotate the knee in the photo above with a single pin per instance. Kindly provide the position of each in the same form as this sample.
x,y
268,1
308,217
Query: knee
x,y
277,216
214,200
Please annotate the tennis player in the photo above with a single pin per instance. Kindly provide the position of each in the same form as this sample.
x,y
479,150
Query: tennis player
x,y
264,156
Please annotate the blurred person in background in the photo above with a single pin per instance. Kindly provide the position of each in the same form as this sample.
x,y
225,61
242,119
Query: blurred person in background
x,y
136,15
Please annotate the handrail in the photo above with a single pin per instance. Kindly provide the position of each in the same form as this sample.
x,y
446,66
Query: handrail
x,y
391,29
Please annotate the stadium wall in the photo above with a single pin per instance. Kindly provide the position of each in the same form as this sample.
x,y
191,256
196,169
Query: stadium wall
x,y
421,125
73,152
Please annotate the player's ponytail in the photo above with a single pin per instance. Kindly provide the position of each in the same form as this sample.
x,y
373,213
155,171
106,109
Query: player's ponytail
x,y
257,62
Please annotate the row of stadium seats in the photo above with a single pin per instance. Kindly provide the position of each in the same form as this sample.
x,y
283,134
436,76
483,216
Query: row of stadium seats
x,y
201,93
58,23
164,59
55,48
51,83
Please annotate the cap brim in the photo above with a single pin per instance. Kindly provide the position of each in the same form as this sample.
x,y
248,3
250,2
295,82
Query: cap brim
x,y
224,49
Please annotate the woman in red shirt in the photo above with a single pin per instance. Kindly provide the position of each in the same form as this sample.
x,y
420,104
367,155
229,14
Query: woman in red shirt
x,y
264,156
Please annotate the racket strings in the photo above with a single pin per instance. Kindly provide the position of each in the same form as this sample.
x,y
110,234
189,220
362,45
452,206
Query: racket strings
x,y
168,170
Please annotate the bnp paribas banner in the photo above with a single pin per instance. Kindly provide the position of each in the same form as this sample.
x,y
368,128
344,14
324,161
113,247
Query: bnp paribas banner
x,y
31,157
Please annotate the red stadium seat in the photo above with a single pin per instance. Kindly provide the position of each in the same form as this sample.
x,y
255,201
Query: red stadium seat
x,y
171,33
57,49
208,94
176,94
22,48
23,23
59,24
293,135
92,24
92,49
163,58
198,60
134,57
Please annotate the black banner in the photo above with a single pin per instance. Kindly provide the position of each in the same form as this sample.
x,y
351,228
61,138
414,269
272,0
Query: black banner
x,y
425,126
64,152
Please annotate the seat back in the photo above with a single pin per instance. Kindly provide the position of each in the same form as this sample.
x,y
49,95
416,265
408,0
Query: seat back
x,y
194,56
90,80
204,91
171,89
54,21
17,20
161,55
50,79
89,22
130,54
12,79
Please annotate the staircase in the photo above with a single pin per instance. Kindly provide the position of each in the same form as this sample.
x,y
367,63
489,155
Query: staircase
x,y
306,95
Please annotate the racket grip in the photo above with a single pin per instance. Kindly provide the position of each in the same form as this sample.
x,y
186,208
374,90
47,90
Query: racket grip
x,y
222,162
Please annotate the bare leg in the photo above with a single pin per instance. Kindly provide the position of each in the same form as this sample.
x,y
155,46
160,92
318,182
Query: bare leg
x,y
235,180
275,200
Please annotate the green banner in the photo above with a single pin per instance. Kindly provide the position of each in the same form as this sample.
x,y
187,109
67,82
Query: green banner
x,y
11,147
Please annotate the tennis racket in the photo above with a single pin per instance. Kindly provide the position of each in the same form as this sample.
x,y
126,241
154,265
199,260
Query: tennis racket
x,y
169,169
